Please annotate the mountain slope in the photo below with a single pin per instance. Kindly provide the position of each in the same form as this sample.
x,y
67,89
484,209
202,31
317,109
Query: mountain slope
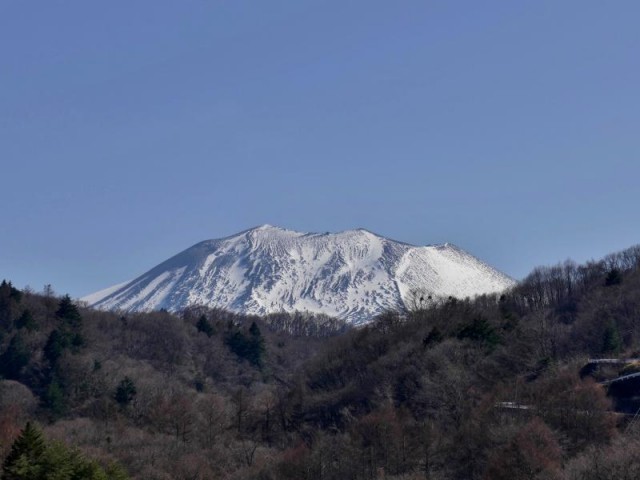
x,y
353,275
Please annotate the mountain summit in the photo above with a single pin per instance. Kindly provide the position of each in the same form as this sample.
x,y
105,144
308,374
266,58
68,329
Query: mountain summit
x,y
353,275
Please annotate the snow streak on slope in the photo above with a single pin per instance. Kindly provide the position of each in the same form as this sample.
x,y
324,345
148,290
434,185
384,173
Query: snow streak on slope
x,y
353,275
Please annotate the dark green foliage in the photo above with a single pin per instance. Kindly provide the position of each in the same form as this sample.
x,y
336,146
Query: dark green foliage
x,y
32,458
76,341
114,471
9,299
69,313
254,330
510,318
198,384
126,392
7,289
25,458
479,330
67,336
249,347
205,326
26,321
611,341
54,399
71,323
256,346
614,277
55,346
15,358
238,343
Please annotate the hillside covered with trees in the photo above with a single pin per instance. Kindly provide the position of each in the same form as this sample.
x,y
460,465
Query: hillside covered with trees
x,y
497,387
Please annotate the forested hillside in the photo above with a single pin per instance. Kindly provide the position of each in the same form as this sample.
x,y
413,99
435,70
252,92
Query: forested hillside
x,y
498,387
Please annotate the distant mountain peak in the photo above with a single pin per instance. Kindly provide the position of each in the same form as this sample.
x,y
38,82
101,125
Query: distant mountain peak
x,y
266,227
353,274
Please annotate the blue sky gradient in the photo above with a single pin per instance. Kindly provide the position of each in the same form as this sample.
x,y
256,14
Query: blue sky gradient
x,y
132,130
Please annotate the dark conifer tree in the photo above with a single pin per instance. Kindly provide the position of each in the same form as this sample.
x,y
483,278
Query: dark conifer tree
x,y
611,342
125,392
614,277
54,398
256,346
25,458
9,298
26,321
205,326
15,358
68,312
32,458
56,344
71,322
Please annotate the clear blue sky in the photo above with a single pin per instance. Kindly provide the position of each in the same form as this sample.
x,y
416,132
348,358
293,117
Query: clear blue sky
x,y
132,130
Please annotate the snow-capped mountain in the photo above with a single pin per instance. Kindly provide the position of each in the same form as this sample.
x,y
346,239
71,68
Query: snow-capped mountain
x,y
353,275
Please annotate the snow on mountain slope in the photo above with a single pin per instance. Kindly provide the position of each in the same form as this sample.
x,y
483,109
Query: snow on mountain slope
x,y
353,275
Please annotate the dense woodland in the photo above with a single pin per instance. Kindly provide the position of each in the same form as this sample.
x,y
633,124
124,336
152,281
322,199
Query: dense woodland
x,y
496,387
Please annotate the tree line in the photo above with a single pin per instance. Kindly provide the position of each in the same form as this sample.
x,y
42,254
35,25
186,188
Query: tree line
x,y
484,388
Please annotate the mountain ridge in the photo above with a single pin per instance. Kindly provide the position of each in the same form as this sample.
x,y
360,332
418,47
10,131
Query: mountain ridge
x,y
352,274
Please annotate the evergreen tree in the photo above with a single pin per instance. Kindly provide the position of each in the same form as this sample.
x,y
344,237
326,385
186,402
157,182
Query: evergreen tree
x,y
249,347
611,341
204,326
116,472
76,339
479,330
58,462
68,312
15,358
56,344
256,345
71,323
26,321
254,330
9,298
7,288
237,343
25,458
54,398
125,392
32,458
614,277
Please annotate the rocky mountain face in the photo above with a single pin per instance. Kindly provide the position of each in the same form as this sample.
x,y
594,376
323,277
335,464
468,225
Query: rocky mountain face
x,y
353,275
